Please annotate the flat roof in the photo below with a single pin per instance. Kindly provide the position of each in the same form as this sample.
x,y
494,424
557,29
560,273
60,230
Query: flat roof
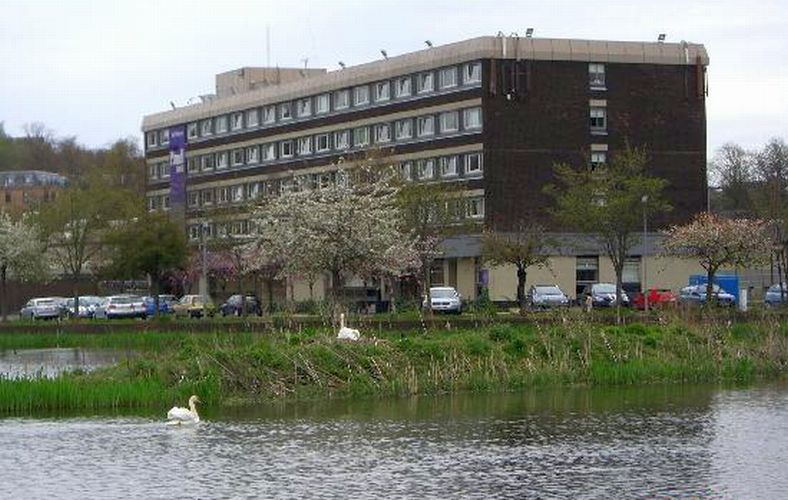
x,y
487,47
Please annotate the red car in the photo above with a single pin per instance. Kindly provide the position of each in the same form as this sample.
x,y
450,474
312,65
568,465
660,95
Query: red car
x,y
656,298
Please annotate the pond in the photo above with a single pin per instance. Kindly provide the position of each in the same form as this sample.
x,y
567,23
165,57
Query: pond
x,y
31,363
565,443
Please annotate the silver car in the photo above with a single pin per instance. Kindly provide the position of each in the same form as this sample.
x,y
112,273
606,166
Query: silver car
x,y
444,299
87,306
775,297
546,296
42,308
121,306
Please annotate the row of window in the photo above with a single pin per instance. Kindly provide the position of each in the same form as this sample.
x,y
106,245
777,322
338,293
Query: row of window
x,y
340,100
422,127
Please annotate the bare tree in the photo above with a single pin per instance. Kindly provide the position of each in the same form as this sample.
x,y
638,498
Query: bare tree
x,y
733,168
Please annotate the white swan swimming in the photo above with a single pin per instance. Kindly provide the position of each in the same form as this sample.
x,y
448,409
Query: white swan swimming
x,y
345,332
178,415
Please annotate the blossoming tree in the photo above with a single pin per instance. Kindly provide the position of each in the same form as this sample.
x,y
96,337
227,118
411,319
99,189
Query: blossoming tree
x,y
21,254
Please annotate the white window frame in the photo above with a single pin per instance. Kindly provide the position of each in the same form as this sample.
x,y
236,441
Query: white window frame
x,y
164,136
221,124
360,137
406,170
320,138
153,203
192,131
445,121
448,77
425,126
193,198
448,166
304,146
403,129
252,118
382,133
223,195
269,151
222,160
403,87
286,149
382,91
596,113
237,157
598,159
472,73
152,139
596,75
269,114
285,111
237,193
342,99
192,166
361,95
474,208
470,159
206,127
472,118
425,82
304,107
194,232
425,168
207,163
237,121
165,202
252,155
253,190
341,140
322,104
164,170
153,171
206,196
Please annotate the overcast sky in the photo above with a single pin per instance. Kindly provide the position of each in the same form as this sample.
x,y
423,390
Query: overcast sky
x,y
92,69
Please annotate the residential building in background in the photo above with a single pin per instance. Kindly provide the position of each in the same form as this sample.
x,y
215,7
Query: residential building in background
x,y
493,114
25,190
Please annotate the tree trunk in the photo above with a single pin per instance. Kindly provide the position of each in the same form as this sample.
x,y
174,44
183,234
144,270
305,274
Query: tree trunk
x,y
710,286
75,290
270,284
4,300
243,296
521,275
619,285
156,290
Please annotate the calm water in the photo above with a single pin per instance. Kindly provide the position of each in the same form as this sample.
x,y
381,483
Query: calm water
x,y
31,363
642,442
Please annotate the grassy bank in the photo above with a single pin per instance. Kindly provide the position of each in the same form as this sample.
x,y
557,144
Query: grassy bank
x,y
239,368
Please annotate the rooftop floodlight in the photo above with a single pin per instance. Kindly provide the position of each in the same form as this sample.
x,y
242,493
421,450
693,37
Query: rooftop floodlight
x,y
385,56
529,32
429,43
661,37
341,64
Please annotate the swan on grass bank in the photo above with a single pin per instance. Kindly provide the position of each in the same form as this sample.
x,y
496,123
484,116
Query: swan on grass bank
x,y
345,332
178,415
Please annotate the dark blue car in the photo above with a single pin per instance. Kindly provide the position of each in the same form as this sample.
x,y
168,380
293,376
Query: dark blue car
x,y
165,304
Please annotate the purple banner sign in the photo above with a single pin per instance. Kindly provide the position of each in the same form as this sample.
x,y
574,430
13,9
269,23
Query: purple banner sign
x,y
177,165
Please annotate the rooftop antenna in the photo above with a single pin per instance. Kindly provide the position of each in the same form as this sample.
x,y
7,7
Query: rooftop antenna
x,y
172,104
267,45
341,64
529,32
305,60
385,56
661,37
429,43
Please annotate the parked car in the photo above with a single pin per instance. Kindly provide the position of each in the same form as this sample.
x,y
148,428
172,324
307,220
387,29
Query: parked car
x,y
121,306
657,298
602,295
773,296
40,308
194,306
546,296
443,299
233,306
696,294
166,302
87,306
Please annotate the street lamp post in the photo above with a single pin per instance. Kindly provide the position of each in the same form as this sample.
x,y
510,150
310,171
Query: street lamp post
x,y
644,200
204,272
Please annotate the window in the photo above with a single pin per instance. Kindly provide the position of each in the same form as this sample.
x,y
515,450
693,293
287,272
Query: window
x,y
164,137
322,104
473,163
406,171
322,143
341,99
223,196
474,208
382,133
360,136
238,157
472,73
450,121
304,146
192,166
598,120
403,129
165,202
269,151
586,272
194,198
448,166
402,87
360,95
426,168
237,121
252,154
598,159
152,139
269,115
221,124
448,77
425,126
341,139
153,172
425,83
206,127
285,111
286,149
253,190
221,160
164,170
252,118
382,91
194,232
207,197
191,130
237,193
472,118
207,162
596,75
304,107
